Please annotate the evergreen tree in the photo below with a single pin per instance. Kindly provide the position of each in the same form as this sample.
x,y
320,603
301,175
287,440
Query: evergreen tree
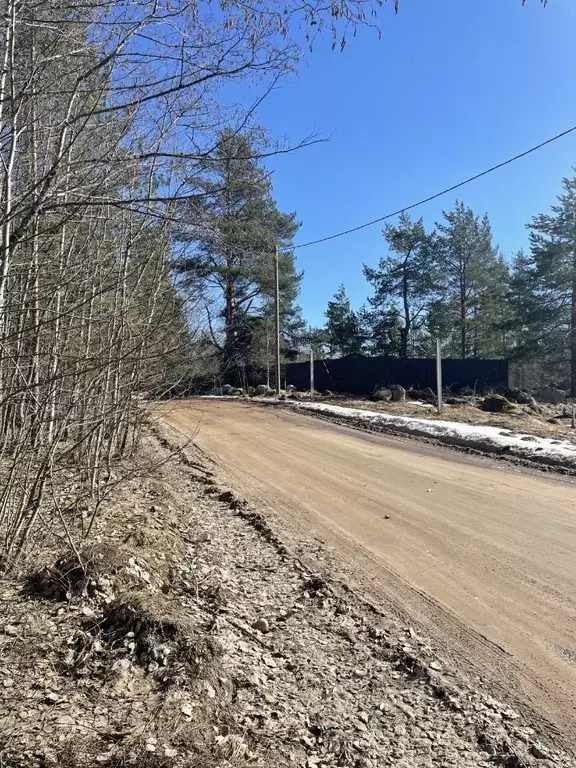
x,y
473,293
381,329
315,339
547,295
404,283
233,226
343,331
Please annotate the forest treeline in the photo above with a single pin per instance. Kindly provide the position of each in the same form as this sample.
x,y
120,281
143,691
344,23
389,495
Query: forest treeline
x,y
450,282
115,146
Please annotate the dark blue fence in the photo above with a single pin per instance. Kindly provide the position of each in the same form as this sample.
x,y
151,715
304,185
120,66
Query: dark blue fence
x,y
359,374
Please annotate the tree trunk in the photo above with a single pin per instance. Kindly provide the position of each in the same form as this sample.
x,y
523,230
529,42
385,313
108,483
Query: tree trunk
x,y
573,330
405,332
229,367
462,316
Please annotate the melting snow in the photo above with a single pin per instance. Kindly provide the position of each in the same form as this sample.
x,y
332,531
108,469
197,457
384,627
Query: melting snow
x,y
472,435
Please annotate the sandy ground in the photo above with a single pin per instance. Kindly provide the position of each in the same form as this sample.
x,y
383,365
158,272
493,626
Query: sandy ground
x,y
479,557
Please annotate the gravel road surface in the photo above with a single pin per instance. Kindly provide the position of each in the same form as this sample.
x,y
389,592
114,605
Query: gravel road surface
x,y
478,556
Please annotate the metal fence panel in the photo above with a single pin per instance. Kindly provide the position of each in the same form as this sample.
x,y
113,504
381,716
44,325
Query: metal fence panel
x,y
359,374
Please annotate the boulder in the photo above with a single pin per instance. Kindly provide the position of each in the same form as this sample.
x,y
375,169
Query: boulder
x,y
382,394
496,404
398,393
524,398
264,389
227,389
290,388
551,395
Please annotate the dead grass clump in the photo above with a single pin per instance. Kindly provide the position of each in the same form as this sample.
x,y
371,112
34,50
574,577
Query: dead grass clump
x,y
86,755
75,574
170,648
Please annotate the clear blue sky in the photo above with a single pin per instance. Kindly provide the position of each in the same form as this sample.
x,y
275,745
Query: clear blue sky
x,y
452,87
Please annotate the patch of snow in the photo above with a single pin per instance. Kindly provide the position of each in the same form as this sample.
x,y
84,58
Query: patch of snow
x,y
472,435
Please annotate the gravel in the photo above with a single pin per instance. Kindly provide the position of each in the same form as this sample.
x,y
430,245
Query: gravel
x,y
306,674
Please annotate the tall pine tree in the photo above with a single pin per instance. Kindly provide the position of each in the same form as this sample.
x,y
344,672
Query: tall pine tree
x,y
232,228
550,301
343,330
404,283
471,272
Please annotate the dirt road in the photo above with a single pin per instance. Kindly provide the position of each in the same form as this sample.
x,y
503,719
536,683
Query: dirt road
x,y
479,557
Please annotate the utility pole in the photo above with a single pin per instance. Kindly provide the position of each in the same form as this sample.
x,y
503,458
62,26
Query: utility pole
x,y
311,373
267,351
277,314
439,374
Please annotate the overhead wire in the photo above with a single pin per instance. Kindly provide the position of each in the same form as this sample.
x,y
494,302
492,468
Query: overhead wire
x,y
438,194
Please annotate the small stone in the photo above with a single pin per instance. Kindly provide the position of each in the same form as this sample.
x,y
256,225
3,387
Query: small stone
x,y
168,752
538,752
261,625
186,709
65,720
122,664
150,747
10,630
51,698
8,682
436,665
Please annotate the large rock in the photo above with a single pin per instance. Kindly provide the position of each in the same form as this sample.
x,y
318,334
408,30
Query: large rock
x,y
382,394
496,404
264,389
398,393
551,395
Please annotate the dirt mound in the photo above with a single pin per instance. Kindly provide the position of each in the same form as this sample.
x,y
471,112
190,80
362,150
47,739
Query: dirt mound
x,y
76,573
140,630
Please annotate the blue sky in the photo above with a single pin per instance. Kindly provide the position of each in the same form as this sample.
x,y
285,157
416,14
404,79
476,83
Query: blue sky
x,y
452,87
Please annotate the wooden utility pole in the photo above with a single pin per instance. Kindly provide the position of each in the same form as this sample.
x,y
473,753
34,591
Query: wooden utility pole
x,y
277,317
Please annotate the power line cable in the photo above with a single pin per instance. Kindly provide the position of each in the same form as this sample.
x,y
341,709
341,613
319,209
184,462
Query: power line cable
x,y
439,194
